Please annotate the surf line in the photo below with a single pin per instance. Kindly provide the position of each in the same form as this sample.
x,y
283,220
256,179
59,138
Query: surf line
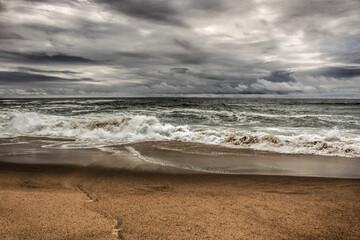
x,y
155,161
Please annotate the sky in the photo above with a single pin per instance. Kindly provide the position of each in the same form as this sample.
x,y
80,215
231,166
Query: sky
x,y
160,48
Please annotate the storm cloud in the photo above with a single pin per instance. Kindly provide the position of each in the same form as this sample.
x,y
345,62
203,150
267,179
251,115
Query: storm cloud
x,y
233,48
42,57
23,77
158,11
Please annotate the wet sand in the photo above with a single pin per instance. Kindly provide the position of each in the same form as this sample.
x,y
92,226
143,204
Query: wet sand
x,y
177,157
172,190
219,159
68,202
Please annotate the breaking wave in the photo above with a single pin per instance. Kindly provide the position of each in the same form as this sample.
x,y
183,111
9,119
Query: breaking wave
x,y
95,131
311,143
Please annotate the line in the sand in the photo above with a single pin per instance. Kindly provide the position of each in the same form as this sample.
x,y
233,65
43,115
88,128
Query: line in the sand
x,y
117,222
90,198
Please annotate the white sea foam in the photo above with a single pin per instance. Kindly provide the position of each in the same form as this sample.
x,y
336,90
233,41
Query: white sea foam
x,y
331,142
95,130
163,163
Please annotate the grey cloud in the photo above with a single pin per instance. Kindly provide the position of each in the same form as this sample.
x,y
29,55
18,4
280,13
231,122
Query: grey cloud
x,y
280,76
329,8
10,36
338,72
27,69
193,58
41,57
208,5
158,11
50,1
227,78
156,48
6,32
45,28
140,59
179,70
23,77
309,15
135,55
224,78
185,81
186,45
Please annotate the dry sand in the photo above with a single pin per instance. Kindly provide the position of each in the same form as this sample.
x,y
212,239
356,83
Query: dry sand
x,y
63,202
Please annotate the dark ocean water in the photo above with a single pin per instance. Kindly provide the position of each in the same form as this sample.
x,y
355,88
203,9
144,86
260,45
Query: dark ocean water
x,y
323,127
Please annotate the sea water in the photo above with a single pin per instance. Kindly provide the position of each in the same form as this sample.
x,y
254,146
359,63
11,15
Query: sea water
x,y
307,126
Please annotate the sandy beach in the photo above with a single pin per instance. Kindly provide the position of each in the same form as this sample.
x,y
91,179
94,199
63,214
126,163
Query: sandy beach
x,y
173,190
67,202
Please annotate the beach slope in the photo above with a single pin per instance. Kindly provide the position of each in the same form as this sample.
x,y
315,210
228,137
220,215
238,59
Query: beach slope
x,y
68,202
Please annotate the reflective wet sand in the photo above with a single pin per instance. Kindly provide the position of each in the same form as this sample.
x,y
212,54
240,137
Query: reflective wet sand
x,y
179,157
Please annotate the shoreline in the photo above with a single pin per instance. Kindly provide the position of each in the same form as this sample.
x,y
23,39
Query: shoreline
x,y
57,202
178,157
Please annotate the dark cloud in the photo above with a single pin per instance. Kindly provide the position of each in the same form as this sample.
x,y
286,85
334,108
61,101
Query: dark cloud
x,y
23,77
179,70
40,57
6,32
50,1
192,58
45,28
159,11
136,55
9,36
168,47
338,72
230,79
186,45
280,76
316,8
27,69
208,5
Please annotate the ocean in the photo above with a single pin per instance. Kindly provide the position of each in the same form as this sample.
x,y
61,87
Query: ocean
x,y
328,127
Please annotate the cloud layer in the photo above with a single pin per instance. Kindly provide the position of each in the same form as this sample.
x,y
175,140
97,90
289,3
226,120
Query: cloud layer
x,y
282,48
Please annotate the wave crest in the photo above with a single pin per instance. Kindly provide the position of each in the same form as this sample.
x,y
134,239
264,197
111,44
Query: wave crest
x,y
95,131
326,146
246,140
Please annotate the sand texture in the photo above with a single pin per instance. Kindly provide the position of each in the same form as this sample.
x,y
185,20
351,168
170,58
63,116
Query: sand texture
x,y
63,202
